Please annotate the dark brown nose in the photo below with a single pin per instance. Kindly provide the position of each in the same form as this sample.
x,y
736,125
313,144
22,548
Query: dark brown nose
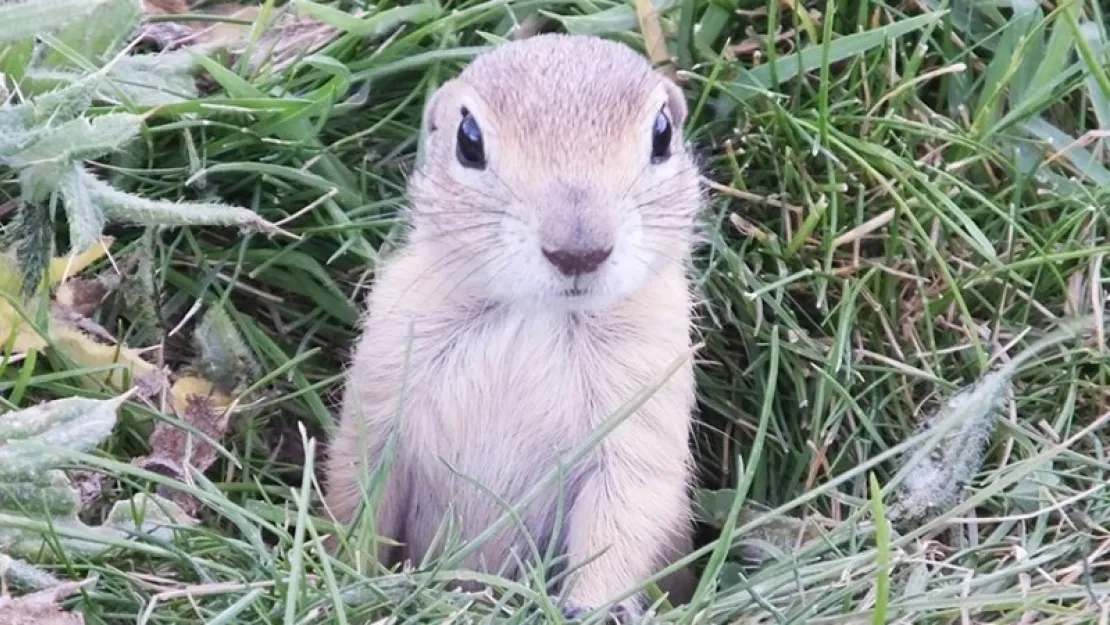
x,y
577,262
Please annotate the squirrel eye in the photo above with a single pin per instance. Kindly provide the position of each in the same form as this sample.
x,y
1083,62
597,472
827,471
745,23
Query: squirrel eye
x,y
660,138
469,149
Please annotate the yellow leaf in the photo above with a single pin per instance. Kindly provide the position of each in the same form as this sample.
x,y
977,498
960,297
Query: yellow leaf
x,y
64,266
60,266
193,385
87,352
9,275
26,339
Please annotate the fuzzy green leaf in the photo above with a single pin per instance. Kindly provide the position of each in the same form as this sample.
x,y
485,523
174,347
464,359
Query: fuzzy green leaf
x,y
24,575
14,59
35,438
30,535
37,500
142,80
80,138
43,16
122,206
13,135
53,106
47,494
32,235
152,80
224,356
38,182
86,217
104,30
963,425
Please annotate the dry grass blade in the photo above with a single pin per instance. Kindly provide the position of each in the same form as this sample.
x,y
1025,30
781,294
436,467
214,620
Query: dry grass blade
x,y
864,229
654,42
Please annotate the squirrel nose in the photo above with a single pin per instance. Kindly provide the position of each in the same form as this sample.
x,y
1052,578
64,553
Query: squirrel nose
x,y
577,262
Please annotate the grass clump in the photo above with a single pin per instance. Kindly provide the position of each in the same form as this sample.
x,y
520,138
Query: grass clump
x,y
901,195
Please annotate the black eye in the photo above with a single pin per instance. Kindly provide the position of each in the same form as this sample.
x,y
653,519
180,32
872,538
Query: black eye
x,y
660,139
469,149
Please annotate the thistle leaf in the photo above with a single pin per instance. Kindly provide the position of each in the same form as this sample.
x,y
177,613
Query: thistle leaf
x,y
139,292
122,206
32,236
12,137
77,139
57,105
156,516
86,218
142,80
771,538
38,182
153,80
375,25
103,30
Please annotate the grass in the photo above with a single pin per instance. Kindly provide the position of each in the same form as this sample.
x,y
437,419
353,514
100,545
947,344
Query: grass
x,y
900,193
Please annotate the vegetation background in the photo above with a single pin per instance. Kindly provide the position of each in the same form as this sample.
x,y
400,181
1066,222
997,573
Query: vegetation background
x,y
901,195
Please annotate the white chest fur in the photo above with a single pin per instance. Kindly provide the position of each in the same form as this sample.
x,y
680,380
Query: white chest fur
x,y
494,397
499,397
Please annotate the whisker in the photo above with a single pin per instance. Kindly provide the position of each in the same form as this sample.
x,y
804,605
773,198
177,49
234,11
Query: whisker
x,y
439,234
474,271
454,253
646,190
662,252
657,216
662,228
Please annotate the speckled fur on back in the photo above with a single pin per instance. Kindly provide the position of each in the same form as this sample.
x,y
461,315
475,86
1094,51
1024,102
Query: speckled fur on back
x,y
493,364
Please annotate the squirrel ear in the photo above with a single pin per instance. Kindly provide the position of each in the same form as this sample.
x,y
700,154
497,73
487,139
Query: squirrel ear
x,y
428,117
431,118
434,105
676,102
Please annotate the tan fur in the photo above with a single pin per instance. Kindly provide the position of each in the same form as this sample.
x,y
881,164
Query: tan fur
x,y
504,372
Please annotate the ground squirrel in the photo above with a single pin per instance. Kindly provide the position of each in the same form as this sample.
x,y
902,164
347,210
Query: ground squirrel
x,y
543,284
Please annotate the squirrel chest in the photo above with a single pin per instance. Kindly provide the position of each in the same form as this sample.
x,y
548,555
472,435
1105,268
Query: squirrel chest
x,y
494,398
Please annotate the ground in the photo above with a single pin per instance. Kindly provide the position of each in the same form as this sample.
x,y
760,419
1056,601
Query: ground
x,y
899,196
